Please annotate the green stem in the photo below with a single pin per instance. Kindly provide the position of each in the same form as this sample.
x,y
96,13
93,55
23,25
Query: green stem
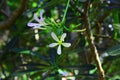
x,y
63,20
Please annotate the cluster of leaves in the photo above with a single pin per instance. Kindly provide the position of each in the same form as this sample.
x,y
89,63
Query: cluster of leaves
x,y
25,54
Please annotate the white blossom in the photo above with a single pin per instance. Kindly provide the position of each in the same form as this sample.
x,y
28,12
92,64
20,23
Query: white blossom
x,y
40,22
60,42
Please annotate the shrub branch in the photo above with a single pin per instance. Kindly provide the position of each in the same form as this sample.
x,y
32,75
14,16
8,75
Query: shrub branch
x,y
87,25
6,24
91,42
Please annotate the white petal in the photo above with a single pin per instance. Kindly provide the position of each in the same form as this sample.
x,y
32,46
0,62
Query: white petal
x,y
63,36
41,15
66,44
33,24
53,44
37,27
59,50
64,73
54,36
36,18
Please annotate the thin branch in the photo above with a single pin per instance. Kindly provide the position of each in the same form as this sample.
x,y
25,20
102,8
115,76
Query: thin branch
x,y
77,8
98,25
4,13
89,36
91,42
12,19
102,36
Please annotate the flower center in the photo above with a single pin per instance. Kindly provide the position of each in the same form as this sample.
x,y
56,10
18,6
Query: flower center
x,y
59,42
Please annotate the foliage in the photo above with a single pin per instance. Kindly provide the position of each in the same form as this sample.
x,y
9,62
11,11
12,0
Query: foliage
x,y
25,52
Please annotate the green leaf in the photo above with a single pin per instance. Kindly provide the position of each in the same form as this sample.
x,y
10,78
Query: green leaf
x,y
82,67
116,16
115,50
117,26
111,58
82,0
113,53
40,56
76,50
33,65
90,75
21,50
53,3
19,73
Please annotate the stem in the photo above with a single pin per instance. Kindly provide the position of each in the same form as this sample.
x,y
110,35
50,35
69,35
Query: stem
x,y
77,8
63,20
91,42
7,24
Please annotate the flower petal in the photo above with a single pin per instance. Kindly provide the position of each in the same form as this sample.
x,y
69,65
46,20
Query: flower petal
x,y
41,15
64,73
53,44
33,24
59,50
54,36
36,18
66,44
36,27
63,36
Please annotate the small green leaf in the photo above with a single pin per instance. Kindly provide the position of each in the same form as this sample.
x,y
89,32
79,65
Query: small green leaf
x,y
33,65
21,50
113,53
82,67
111,58
116,16
115,50
19,73
117,26
41,56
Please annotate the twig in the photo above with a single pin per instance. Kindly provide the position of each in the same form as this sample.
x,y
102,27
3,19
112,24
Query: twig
x,y
11,20
102,36
77,8
98,25
4,13
108,67
4,8
89,36
91,42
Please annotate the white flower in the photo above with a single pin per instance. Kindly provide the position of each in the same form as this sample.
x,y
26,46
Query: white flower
x,y
59,42
40,21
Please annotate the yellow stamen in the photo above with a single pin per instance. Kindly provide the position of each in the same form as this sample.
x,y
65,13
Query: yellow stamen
x,y
59,42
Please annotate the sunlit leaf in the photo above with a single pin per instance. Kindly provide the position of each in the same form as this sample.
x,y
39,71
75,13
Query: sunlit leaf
x,y
21,50
117,26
